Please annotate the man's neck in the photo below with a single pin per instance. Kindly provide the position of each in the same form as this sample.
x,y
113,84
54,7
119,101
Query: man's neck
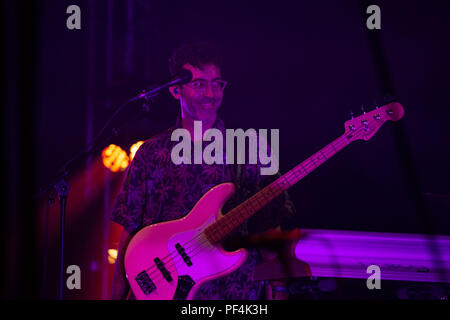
x,y
188,124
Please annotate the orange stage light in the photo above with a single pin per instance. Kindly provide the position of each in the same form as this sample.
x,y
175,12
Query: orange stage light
x,y
115,158
112,256
134,148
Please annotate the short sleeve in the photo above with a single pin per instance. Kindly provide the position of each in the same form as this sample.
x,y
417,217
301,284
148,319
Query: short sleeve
x,y
129,205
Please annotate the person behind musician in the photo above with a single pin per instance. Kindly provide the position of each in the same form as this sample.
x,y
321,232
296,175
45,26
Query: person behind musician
x,y
156,190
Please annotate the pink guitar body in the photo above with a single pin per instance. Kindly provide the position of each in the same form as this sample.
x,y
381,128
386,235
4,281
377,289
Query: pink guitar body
x,y
157,241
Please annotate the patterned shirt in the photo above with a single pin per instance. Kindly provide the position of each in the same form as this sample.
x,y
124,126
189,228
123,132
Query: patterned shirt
x,y
156,190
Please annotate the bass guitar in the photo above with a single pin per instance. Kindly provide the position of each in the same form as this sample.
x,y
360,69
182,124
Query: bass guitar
x,y
162,255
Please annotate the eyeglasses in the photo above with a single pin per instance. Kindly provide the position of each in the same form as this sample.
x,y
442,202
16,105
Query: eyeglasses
x,y
201,85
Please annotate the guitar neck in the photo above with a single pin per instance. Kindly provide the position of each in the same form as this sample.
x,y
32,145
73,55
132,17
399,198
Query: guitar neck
x,y
226,224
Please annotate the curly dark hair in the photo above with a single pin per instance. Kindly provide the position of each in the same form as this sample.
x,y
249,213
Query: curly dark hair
x,y
197,54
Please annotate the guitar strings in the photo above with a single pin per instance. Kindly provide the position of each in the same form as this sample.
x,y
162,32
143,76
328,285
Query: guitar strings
x,y
203,240
172,264
176,260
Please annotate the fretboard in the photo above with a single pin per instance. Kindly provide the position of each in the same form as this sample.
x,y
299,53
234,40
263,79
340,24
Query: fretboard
x,y
218,230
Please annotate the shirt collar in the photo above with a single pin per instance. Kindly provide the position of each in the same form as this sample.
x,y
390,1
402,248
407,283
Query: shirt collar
x,y
218,124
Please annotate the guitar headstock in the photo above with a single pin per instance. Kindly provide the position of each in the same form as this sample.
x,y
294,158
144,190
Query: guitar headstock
x,y
365,126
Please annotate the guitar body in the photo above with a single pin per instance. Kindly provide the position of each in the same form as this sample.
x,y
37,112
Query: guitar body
x,y
154,259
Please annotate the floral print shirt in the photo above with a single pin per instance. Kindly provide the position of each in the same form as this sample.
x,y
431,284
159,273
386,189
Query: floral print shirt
x,y
156,190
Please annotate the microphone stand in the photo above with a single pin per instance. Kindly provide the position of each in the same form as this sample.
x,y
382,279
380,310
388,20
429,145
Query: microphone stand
x,y
62,188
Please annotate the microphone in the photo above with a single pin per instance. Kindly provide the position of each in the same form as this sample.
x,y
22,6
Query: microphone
x,y
183,77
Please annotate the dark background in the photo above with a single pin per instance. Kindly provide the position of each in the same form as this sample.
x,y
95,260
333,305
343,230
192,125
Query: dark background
x,y
300,67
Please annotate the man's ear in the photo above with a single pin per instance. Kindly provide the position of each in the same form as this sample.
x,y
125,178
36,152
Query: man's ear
x,y
175,91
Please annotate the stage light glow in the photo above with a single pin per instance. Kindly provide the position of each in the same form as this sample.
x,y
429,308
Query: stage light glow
x,y
114,158
112,256
134,148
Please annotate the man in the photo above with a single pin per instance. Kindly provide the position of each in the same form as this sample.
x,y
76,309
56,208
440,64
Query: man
x,y
157,190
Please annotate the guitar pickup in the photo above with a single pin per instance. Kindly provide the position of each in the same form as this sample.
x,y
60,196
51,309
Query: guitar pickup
x,y
145,283
163,269
183,254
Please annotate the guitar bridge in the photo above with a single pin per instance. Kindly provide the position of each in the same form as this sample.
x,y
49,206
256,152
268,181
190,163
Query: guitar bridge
x,y
145,283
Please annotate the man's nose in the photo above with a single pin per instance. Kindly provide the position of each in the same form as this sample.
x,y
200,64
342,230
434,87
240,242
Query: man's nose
x,y
209,91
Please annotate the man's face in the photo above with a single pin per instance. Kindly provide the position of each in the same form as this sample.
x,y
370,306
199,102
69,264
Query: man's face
x,y
201,99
